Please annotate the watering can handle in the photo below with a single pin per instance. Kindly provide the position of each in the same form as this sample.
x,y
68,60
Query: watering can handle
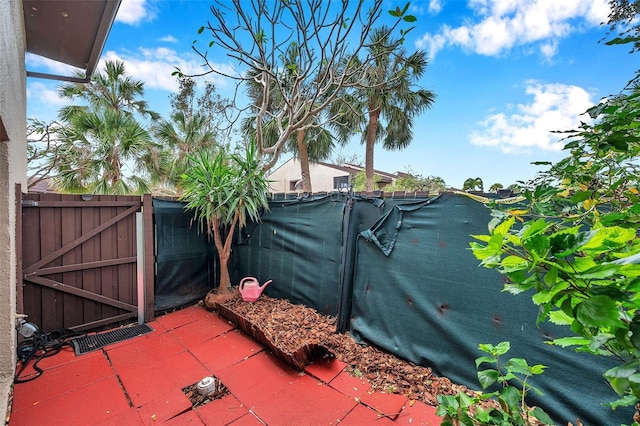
x,y
245,279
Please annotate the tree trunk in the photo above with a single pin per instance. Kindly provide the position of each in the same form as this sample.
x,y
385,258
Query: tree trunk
x,y
374,114
223,256
222,293
303,153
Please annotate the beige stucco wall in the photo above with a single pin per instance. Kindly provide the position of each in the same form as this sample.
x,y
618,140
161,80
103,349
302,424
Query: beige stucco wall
x,y
321,177
12,170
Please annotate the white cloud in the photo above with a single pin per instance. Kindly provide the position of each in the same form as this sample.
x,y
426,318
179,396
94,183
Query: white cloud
x,y
154,67
549,50
528,127
435,6
169,39
46,65
41,93
499,25
133,12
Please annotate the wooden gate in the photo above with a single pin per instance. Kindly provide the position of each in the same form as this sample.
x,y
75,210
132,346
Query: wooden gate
x,y
79,261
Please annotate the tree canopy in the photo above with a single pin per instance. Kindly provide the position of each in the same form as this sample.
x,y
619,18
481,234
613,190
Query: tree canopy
x,y
257,35
103,147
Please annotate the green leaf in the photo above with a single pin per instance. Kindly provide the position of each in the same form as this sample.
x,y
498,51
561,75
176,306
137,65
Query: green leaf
x,y
538,245
599,272
551,277
483,238
568,241
482,415
560,318
538,369
513,263
634,328
619,385
571,341
511,396
483,359
583,264
542,416
200,30
487,377
625,401
445,403
580,196
623,371
503,228
533,228
598,311
410,18
499,349
518,366
545,296
635,378
465,400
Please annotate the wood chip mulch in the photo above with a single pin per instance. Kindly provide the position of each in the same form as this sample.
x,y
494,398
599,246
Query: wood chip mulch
x,y
291,326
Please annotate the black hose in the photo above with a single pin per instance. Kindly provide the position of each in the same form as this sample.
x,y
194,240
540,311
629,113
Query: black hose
x,y
41,345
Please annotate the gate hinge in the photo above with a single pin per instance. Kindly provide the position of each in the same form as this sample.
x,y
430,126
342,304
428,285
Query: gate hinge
x,y
29,203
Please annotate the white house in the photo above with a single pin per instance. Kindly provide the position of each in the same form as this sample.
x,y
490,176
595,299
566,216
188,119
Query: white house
x,y
68,31
325,177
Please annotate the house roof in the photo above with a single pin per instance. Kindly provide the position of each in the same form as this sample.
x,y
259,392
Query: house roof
x,y
69,31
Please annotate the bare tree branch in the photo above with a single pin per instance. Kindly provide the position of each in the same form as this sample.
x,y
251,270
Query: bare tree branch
x,y
42,150
328,38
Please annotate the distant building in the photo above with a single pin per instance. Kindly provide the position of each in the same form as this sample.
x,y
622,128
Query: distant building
x,y
325,177
44,186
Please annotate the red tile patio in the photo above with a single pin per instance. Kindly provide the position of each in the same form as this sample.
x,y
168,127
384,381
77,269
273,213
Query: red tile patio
x,y
139,382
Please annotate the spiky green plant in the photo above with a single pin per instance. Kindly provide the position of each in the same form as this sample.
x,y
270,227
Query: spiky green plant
x,y
224,191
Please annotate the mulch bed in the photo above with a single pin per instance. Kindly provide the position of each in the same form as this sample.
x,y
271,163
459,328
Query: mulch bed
x,y
291,328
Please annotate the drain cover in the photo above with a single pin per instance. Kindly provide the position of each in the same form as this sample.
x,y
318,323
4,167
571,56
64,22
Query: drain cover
x,y
94,342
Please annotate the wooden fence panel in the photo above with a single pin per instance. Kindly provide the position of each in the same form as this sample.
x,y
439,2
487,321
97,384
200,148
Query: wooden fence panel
x,y
79,262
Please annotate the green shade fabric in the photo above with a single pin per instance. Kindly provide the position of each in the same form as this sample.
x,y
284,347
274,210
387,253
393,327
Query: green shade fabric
x,y
186,261
419,293
298,245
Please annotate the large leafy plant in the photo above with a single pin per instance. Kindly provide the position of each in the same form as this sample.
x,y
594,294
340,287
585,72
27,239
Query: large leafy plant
x,y
512,376
574,241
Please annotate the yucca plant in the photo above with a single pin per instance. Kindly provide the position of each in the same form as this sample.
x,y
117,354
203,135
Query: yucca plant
x,y
224,191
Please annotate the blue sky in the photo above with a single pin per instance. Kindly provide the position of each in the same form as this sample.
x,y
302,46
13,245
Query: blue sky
x,y
506,73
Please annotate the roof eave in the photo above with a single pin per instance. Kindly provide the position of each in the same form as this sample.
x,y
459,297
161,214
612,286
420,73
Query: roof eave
x,y
98,36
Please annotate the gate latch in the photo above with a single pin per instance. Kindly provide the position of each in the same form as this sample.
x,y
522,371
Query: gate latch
x,y
29,203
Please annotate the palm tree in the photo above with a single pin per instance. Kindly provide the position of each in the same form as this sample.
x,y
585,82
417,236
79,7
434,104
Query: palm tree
x,y
472,184
385,104
495,187
101,138
224,191
96,149
181,136
111,90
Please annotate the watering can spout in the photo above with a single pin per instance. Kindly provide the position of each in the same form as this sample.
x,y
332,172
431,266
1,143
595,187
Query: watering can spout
x,y
250,288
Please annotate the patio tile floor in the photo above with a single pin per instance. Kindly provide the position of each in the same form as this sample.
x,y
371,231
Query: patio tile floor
x,y
139,382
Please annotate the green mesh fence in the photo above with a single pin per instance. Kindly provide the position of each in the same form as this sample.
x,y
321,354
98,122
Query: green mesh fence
x,y
186,261
399,274
418,292
298,245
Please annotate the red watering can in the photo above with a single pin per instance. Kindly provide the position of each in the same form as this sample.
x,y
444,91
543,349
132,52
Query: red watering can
x,y
250,288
